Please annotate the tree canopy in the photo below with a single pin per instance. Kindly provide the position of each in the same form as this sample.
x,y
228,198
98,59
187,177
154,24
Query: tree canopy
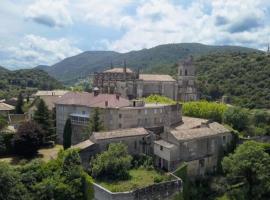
x,y
103,166
248,171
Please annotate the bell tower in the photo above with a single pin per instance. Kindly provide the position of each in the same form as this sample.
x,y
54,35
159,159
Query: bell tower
x,y
187,90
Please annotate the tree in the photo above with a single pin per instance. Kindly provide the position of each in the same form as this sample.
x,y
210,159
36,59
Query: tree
x,y
103,166
3,122
43,118
95,123
10,184
67,134
28,139
236,117
249,167
19,105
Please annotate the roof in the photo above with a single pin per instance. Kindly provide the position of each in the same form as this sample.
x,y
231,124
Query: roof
x,y
90,100
164,144
84,144
119,133
6,107
194,130
190,123
50,93
156,77
118,70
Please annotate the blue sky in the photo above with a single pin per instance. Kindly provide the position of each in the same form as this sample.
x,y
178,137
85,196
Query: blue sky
x,y
43,32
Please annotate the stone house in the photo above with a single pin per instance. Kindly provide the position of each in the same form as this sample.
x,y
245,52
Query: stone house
x,y
195,141
49,97
115,112
6,109
138,141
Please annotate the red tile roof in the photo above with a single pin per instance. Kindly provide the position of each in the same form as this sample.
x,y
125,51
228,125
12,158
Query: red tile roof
x,y
89,100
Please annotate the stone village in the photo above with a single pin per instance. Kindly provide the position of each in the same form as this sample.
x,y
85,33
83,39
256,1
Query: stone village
x,y
158,130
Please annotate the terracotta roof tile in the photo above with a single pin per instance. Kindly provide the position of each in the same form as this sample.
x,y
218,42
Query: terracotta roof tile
x,y
89,100
119,133
6,107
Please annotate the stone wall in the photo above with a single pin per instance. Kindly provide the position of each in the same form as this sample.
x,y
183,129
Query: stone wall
x,y
160,191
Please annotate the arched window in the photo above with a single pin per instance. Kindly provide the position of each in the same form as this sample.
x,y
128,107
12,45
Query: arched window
x,y
185,72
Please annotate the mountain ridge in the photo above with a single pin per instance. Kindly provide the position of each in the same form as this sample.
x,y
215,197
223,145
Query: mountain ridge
x,y
79,66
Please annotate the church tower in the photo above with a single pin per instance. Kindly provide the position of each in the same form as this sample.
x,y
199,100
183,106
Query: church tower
x,y
187,90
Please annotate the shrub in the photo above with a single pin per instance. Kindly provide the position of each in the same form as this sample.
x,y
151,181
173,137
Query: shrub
x,y
236,117
159,99
112,164
204,109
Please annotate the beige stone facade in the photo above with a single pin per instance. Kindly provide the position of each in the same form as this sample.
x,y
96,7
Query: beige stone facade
x,y
193,142
115,113
135,85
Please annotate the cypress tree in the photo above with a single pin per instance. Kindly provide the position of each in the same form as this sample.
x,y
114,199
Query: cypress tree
x,y
19,105
43,118
95,123
67,134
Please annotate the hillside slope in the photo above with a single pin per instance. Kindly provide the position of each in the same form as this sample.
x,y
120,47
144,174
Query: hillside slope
x,y
243,77
25,80
71,69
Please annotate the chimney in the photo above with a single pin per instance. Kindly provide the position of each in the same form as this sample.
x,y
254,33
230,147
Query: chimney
x,y
106,103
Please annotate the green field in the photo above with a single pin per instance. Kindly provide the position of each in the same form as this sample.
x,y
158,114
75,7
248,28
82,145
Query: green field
x,y
139,178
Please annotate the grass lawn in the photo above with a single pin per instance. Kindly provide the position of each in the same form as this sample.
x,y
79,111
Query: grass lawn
x,y
45,154
138,178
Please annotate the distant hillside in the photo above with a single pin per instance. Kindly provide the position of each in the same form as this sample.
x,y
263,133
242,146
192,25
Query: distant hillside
x,y
243,77
71,69
25,80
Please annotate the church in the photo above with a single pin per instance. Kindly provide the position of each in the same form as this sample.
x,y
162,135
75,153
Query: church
x,y
132,85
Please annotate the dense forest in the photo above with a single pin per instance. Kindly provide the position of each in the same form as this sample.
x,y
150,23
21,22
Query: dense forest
x,y
25,80
243,77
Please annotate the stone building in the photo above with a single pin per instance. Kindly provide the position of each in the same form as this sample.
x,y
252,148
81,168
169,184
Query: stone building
x,y
187,90
48,96
135,85
196,142
116,112
6,109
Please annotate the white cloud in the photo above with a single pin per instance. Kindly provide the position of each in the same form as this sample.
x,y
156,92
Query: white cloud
x,y
35,50
50,13
104,13
211,22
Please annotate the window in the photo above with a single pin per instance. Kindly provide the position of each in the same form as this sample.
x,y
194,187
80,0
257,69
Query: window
x,y
161,110
120,125
161,148
120,115
155,111
180,72
224,139
139,111
139,121
83,112
186,72
145,112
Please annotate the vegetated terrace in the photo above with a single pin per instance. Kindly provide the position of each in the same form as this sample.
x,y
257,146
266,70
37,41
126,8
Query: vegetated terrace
x,y
138,178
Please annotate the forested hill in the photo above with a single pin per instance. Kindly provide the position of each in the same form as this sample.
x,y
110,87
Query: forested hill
x,y
80,66
243,77
25,80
